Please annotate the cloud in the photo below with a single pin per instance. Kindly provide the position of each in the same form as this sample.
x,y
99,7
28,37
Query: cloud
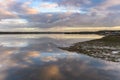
x,y
73,3
109,3
23,8
4,9
47,18
49,5
13,21
52,13
27,9
106,8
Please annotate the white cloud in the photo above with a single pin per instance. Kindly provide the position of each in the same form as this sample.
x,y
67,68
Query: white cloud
x,y
13,21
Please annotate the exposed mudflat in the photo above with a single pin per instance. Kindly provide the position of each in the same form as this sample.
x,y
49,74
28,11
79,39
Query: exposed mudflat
x,y
106,48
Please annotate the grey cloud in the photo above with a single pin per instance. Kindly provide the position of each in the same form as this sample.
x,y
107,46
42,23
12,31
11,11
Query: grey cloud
x,y
71,2
23,8
78,20
106,7
46,17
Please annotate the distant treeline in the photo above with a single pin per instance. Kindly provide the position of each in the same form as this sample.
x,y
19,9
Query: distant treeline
x,y
105,32
31,32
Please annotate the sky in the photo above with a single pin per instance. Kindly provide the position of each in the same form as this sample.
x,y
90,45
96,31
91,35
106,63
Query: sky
x,y
53,15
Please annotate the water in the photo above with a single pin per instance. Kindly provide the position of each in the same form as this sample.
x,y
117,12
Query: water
x,y
38,57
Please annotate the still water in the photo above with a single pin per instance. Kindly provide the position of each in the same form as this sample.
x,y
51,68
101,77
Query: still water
x,y
38,57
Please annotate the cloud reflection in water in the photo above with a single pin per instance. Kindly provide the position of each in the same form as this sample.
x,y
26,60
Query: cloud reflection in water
x,y
40,59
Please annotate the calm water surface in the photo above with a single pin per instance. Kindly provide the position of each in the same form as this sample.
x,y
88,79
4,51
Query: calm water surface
x,y
38,57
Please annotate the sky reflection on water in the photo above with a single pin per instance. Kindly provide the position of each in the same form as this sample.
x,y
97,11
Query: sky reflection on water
x,y
37,57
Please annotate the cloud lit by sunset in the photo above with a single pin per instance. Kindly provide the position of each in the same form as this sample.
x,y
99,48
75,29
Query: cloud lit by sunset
x,y
52,15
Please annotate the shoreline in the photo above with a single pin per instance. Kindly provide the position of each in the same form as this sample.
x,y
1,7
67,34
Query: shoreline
x,y
105,32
